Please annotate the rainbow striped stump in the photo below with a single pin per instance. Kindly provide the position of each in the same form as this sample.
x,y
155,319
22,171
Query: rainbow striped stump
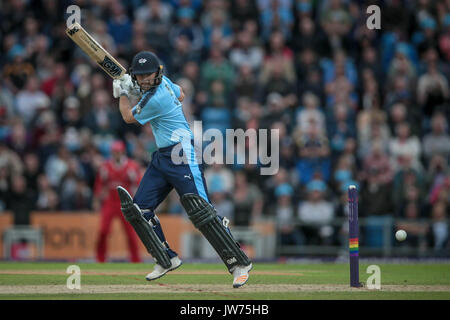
x,y
353,234
353,247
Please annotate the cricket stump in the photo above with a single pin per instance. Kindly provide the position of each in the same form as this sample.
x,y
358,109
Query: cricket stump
x,y
353,235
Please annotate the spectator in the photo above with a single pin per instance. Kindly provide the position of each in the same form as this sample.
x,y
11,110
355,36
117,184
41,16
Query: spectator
x,y
343,173
20,200
377,165
370,63
102,120
308,39
396,16
285,215
407,187
444,38
404,147
287,146
4,187
182,54
219,198
276,108
219,172
217,26
18,70
188,28
270,185
437,142
436,173
427,35
310,113
217,67
432,87
313,155
56,166
341,128
439,228
440,190
101,35
69,186
399,91
216,114
157,26
58,86
375,198
371,127
246,53
241,11
246,84
10,160
82,197
336,23
248,201
29,100
399,114
72,114
316,214
150,8
276,14
47,135
278,73
312,83
119,26
32,170
19,140
413,226
402,66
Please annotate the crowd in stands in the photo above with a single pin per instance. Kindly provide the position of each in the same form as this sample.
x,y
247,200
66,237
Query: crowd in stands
x,y
353,105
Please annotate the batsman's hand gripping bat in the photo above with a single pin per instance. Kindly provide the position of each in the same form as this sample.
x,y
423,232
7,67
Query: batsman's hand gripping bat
x,y
95,51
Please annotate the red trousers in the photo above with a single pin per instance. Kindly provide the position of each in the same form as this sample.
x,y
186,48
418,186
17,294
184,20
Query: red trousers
x,y
109,211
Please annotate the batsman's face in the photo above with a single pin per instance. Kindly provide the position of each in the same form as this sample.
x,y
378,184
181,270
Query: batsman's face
x,y
146,81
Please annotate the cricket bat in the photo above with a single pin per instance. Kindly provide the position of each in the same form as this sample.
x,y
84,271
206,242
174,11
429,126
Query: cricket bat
x,y
95,51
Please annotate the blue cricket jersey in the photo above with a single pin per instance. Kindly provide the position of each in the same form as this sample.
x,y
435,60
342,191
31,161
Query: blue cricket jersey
x,y
160,106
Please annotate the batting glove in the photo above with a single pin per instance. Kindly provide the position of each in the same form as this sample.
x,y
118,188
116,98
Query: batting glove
x,y
119,89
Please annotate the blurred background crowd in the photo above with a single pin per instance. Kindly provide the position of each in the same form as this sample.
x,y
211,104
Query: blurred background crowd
x,y
352,105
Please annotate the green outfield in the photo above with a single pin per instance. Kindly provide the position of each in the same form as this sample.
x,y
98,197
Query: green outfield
x,y
211,281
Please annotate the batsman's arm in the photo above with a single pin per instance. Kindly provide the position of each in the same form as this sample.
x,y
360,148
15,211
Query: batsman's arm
x,y
125,110
181,96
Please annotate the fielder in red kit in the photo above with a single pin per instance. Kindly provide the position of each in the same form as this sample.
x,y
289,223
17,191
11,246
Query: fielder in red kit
x,y
118,171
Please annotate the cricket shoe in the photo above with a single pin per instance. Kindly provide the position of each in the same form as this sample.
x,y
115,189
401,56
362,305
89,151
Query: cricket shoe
x,y
240,275
159,271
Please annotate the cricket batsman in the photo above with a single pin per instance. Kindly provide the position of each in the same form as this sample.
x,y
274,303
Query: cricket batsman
x,y
159,103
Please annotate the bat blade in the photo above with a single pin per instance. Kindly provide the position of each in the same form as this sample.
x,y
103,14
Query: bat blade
x,y
95,51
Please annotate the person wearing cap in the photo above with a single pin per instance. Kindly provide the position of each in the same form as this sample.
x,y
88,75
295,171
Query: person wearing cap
x,y
173,166
284,211
316,214
118,170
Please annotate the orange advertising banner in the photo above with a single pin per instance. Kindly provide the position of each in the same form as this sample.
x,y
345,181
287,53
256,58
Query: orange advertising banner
x,y
73,236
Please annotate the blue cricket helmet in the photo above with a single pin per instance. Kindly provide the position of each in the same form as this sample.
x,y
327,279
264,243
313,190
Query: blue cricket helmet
x,y
146,62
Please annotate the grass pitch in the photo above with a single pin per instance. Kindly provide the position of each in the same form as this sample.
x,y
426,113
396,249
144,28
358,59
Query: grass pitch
x,y
212,282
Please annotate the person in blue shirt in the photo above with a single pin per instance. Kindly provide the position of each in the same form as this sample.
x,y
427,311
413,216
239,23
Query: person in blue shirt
x,y
159,105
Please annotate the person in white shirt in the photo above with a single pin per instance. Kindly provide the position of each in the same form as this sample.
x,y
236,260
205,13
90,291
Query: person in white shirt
x,y
316,214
